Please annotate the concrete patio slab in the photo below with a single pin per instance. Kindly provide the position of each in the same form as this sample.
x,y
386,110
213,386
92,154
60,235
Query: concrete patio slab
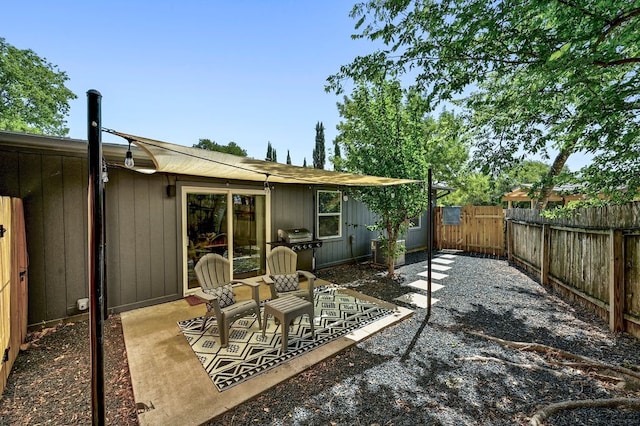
x,y
169,379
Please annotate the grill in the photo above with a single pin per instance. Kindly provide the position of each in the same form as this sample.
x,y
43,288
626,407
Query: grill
x,y
297,239
296,235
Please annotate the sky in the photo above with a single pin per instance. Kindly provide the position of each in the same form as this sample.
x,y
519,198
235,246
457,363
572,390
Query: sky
x,y
251,72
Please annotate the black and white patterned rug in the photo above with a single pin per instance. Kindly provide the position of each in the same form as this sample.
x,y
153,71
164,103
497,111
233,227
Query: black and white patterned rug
x,y
248,353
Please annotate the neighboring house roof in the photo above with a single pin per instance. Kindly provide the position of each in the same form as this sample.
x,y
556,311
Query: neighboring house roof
x,y
172,158
560,193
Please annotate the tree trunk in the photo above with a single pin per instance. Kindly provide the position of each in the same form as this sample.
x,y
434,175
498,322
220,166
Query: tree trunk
x,y
391,249
555,170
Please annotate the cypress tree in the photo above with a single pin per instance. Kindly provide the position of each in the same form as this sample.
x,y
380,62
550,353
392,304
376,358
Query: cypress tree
x,y
318,151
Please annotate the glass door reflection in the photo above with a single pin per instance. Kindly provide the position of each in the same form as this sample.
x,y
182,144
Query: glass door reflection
x,y
248,235
206,229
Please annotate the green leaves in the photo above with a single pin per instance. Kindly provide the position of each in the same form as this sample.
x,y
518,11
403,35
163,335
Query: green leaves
x,y
231,148
386,131
544,77
33,97
558,53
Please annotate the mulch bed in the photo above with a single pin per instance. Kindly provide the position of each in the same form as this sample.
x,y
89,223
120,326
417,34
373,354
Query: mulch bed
x,y
50,382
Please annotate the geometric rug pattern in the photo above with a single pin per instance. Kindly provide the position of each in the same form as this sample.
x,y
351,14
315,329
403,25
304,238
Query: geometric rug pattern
x,y
248,353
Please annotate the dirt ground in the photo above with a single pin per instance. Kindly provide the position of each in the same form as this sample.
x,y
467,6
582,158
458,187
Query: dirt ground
x,y
50,382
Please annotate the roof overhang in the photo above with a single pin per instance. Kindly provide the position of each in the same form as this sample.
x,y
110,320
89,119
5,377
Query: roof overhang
x,y
179,159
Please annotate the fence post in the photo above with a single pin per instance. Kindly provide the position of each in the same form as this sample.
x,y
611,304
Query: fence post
x,y
616,280
509,230
544,255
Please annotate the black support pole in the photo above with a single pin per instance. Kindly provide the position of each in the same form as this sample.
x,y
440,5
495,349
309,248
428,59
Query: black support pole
x,y
429,242
416,336
95,201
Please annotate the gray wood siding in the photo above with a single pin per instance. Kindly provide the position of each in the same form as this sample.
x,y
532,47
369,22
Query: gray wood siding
x,y
53,189
75,230
291,207
141,244
142,240
53,236
31,193
417,238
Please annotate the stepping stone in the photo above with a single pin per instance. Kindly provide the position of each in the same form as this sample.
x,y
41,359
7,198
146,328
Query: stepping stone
x,y
423,285
438,267
442,261
419,300
434,275
451,251
448,256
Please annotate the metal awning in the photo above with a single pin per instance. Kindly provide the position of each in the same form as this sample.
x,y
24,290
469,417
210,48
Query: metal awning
x,y
179,159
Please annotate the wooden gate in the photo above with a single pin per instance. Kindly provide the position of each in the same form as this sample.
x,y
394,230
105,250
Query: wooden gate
x,y
480,229
13,284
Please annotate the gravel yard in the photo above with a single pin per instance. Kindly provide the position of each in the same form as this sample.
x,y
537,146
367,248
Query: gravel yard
x,y
452,370
444,374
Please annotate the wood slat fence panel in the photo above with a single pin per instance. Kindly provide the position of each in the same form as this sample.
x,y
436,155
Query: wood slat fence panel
x,y
481,230
5,290
632,275
13,284
592,257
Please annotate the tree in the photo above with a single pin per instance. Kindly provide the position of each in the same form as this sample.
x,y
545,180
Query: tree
x,y
474,189
337,157
271,153
319,151
231,148
288,158
551,78
304,163
33,95
387,132
480,189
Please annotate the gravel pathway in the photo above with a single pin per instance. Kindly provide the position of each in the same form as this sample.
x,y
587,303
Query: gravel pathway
x,y
414,373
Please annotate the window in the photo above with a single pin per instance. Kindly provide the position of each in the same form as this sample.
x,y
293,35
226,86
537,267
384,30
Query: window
x,y
415,222
329,214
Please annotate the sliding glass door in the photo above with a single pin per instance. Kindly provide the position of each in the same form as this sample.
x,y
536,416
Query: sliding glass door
x,y
249,233
229,223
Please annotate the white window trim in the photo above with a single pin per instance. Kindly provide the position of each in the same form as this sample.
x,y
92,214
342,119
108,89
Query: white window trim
x,y
418,225
318,215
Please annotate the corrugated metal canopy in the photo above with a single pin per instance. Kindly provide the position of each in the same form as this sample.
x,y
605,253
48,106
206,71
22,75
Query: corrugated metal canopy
x,y
179,159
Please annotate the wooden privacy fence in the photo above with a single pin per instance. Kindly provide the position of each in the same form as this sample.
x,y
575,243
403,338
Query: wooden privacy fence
x,y
13,284
480,229
592,258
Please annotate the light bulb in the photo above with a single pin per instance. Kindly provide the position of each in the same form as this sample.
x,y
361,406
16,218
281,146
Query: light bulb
x,y
105,172
128,160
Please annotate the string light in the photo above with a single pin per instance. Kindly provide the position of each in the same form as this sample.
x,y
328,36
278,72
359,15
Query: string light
x,y
128,159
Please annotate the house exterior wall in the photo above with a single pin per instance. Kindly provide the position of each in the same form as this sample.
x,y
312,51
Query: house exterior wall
x,y
142,260
54,192
143,229
141,233
293,206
